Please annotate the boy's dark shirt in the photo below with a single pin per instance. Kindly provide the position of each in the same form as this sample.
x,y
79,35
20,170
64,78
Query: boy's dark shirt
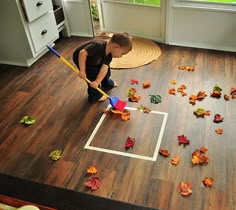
x,y
96,50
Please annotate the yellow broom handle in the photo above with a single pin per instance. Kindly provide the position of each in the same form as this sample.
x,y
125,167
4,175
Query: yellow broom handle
x,y
77,71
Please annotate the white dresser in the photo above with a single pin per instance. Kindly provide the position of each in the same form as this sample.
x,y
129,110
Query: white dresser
x,y
26,27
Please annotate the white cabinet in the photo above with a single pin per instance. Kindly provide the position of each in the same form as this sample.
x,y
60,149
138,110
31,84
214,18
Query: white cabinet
x,y
27,26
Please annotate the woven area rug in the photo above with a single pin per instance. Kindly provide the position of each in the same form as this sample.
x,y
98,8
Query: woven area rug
x,y
143,52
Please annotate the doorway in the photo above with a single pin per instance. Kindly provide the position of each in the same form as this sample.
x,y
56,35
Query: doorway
x,y
95,17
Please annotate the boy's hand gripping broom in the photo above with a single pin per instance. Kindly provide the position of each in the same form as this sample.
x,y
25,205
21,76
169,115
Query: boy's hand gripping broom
x,y
114,101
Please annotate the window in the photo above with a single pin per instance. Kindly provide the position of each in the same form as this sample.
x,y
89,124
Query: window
x,y
210,1
143,2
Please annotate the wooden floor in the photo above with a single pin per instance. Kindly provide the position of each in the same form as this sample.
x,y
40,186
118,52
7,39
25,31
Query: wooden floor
x,y
57,98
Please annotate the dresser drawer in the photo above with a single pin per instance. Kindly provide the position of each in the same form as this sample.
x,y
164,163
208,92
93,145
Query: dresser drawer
x,y
36,8
43,31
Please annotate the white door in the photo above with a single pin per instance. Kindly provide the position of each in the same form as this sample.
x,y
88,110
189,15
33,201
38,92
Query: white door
x,y
137,19
78,18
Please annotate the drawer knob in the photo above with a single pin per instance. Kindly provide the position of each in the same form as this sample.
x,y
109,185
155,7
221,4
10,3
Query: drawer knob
x,y
39,3
44,32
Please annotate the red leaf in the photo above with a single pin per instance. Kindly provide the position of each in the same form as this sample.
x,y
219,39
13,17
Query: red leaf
x,y
218,118
134,81
129,142
183,140
164,152
93,183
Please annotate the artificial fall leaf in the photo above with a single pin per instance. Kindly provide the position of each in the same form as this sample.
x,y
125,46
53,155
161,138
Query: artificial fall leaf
x,y
164,152
183,140
133,81
55,154
199,158
173,81
182,67
116,111
93,183
216,94
207,112
131,92
146,84
172,91
92,169
218,118
155,99
175,160
144,109
208,181
219,130
133,97
201,95
203,149
216,91
125,115
181,89
200,112
184,188
233,93
192,99
190,68
28,120
226,97
129,142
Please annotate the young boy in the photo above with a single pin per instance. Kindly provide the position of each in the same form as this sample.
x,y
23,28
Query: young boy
x,y
93,59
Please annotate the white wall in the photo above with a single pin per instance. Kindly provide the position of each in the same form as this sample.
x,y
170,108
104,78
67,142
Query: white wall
x,y
201,28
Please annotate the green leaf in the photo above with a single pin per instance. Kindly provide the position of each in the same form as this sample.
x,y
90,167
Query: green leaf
x,y
155,99
28,120
200,112
55,154
217,88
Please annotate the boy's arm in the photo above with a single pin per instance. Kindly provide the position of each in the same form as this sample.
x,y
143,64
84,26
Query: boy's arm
x,y
82,63
100,77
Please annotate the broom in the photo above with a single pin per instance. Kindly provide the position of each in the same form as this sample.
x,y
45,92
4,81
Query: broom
x,y
114,101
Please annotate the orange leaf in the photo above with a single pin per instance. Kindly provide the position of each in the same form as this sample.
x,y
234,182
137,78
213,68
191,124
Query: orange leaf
x,y
92,169
201,95
198,158
208,181
175,160
182,67
146,84
203,149
172,91
184,188
164,152
219,130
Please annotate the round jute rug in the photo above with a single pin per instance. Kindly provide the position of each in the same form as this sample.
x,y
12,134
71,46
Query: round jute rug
x,y
143,52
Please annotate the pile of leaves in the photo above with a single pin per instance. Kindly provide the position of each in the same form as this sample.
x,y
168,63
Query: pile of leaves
x,y
132,95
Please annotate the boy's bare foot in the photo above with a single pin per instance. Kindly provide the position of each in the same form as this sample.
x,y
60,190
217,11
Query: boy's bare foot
x,y
115,84
103,98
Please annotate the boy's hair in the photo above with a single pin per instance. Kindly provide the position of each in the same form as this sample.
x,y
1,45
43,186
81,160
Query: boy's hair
x,y
123,39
